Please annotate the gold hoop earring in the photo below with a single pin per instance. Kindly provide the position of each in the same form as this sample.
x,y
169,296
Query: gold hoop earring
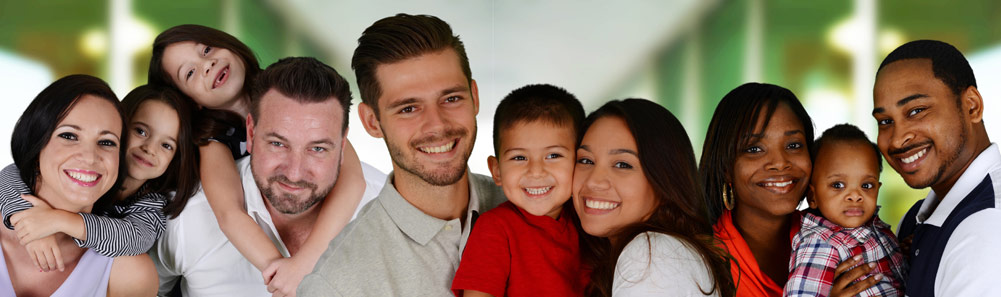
x,y
727,197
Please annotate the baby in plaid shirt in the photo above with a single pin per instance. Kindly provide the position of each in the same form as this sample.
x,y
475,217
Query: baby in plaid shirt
x,y
842,220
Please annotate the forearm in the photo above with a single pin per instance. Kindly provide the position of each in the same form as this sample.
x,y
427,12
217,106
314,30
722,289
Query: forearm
x,y
133,234
10,194
337,209
224,192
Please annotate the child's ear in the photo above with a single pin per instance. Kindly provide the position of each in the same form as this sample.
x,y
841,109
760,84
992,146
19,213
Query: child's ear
x,y
494,169
810,199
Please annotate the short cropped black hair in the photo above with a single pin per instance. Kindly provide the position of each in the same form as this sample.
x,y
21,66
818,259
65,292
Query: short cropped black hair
x,y
537,102
947,62
845,133
303,79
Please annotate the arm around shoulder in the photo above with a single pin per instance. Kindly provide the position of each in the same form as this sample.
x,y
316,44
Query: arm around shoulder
x,y
971,258
133,276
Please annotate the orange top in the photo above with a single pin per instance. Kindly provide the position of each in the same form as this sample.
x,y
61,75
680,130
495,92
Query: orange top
x,y
750,280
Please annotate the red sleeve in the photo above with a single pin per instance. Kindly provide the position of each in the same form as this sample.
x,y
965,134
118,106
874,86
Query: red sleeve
x,y
486,261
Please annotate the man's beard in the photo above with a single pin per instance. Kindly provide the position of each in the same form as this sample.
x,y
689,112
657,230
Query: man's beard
x,y
291,204
443,176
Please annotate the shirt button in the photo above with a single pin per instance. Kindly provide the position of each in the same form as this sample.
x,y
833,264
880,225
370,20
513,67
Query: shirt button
x,y
448,227
917,251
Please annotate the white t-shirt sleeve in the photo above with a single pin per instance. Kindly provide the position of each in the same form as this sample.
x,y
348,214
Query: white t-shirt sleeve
x,y
660,266
971,258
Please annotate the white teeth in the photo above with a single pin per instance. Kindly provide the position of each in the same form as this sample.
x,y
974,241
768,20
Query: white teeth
x,y
438,149
603,205
82,176
914,157
538,191
782,184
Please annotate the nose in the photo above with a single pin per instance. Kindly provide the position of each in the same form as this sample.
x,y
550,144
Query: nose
x,y
144,146
294,167
901,137
854,196
777,160
536,168
88,154
434,121
209,63
597,179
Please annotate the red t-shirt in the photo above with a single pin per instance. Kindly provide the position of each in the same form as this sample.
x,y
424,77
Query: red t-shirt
x,y
514,253
750,280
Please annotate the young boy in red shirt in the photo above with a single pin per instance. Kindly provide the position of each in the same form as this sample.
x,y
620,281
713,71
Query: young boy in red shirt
x,y
528,246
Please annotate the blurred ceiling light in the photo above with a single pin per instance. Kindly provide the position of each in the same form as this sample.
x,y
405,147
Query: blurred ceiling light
x,y
843,35
138,35
94,43
890,39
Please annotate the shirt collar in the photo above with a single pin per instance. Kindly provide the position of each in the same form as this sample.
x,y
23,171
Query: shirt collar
x,y
417,225
252,195
829,229
987,161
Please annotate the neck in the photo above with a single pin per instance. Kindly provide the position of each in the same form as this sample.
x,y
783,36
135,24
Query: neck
x,y
293,228
58,202
443,202
762,230
238,105
129,187
980,143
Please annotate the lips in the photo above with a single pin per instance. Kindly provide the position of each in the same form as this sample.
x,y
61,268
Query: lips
x,y
600,205
854,212
142,160
779,185
84,178
221,77
444,148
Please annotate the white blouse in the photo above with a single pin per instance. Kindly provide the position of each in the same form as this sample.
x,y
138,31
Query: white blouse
x,y
657,264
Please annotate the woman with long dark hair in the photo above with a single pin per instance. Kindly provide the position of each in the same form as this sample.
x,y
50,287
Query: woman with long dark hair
x,y
637,195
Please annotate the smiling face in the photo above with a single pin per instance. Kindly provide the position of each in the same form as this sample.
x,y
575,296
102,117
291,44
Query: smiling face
x,y
211,76
770,173
153,141
295,150
535,167
845,182
922,130
610,189
80,162
427,114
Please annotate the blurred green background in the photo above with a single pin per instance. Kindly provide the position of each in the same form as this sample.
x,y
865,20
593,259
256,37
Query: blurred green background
x,y
683,54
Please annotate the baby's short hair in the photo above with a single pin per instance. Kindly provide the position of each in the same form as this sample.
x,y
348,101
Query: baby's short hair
x,y
844,133
537,102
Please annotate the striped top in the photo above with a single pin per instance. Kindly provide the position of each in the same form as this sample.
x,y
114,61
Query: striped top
x,y
128,229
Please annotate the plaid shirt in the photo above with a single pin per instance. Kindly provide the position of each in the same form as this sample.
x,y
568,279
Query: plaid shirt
x,y
821,245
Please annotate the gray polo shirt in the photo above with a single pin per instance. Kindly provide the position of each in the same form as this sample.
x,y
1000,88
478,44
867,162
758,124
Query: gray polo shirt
x,y
394,249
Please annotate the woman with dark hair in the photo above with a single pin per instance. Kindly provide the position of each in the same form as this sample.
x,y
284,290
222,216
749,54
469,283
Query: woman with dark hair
x,y
158,147
638,198
215,70
755,168
67,145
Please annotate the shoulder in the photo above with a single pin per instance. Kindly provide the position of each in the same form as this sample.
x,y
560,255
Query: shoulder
x,y
362,238
490,195
132,276
977,235
195,231
656,247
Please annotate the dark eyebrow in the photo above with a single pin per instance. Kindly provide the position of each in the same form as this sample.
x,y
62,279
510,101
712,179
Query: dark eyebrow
x,y
623,151
403,102
585,147
558,146
148,127
900,102
455,89
108,132
273,134
793,132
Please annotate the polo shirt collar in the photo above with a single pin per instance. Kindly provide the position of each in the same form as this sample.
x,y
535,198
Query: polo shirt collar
x,y
417,225
987,161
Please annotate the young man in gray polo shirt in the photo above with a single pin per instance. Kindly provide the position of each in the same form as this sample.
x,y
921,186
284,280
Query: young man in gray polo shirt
x,y
418,94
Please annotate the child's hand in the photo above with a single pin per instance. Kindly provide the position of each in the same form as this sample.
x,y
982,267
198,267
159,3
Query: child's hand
x,y
35,222
45,253
283,275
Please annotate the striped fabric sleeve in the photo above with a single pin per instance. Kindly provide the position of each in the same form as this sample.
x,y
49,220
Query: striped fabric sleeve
x,y
130,231
812,273
11,188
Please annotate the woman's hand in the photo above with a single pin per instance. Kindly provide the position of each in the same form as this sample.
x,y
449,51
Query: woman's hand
x,y
284,275
45,253
35,222
843,286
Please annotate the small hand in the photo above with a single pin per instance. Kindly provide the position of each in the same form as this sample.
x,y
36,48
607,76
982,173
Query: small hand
x,y
34,223
843,287
283,275
45,253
